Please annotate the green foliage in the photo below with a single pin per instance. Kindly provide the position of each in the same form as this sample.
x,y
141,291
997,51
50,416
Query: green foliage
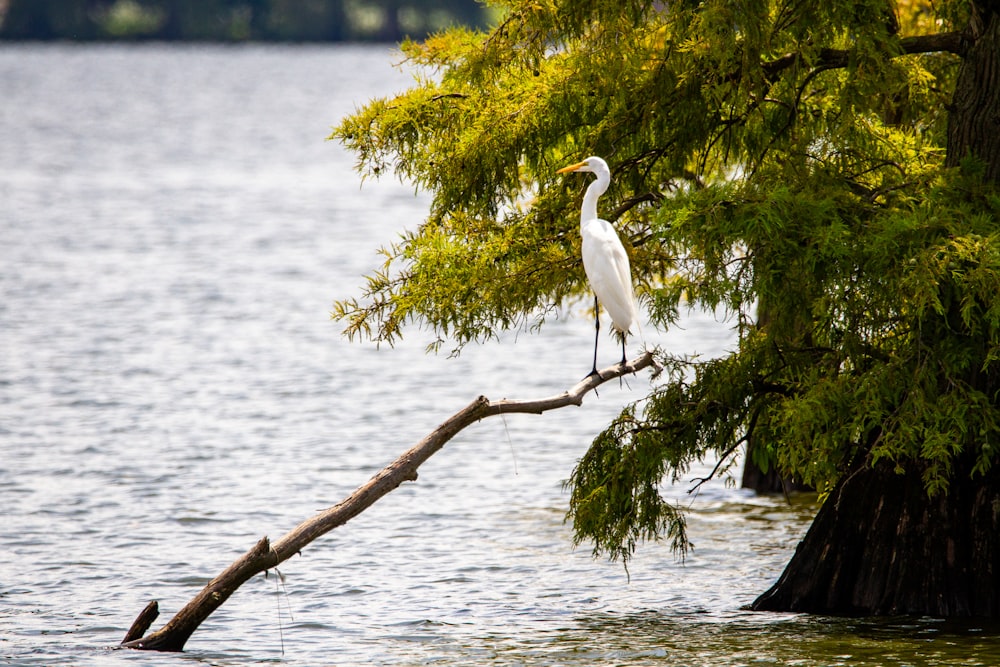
x,y
780,161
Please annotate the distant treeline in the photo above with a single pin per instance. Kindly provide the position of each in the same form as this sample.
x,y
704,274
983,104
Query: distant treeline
x,y
234,20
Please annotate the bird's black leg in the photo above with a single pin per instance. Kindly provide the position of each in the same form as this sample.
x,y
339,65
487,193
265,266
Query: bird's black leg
x,y
621,379
597,331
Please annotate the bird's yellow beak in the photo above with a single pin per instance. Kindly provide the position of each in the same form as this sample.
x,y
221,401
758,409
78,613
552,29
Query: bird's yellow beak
x,y
572,167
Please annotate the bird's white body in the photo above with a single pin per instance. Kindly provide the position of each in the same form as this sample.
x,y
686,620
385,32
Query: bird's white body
x,y
604,258
606,264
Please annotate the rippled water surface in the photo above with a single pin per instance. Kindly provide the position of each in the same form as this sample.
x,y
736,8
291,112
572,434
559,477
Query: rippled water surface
x,y
173,230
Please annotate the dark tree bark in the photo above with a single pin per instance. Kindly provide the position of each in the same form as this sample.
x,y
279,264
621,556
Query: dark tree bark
x,y
142,622
974,115
772,481
880,546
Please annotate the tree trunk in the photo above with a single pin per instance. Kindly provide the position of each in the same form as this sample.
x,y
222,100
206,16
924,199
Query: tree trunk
x,y
880,546
772,481
974,114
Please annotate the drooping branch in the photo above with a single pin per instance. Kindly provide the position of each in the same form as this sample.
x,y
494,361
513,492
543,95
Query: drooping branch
x,y
266,555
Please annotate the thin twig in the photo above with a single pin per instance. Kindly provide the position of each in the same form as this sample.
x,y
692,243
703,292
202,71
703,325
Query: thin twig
x,y
725,455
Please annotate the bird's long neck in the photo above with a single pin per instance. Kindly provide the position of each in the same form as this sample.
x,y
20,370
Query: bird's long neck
x,y
589,209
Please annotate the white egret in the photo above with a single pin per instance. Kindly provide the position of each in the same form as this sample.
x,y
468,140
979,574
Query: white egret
x,y
604,258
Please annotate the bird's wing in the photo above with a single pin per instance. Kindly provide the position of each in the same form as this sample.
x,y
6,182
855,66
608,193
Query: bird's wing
x,y
609,273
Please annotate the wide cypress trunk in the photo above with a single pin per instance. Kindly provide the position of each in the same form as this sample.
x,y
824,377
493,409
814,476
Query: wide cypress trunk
x,y
974,114
880,544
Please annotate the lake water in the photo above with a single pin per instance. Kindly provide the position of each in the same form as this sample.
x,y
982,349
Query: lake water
x,y
173,231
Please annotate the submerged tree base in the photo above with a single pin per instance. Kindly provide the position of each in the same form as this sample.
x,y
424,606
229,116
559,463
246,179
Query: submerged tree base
x,y
880,546
771,481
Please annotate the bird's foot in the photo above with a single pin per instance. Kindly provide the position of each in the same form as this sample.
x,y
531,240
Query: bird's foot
x,y
597,374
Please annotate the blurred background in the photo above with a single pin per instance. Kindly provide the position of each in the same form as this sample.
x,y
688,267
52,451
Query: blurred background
x,y
235,20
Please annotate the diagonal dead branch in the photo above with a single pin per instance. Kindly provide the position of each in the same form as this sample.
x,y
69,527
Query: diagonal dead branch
x,y
266,555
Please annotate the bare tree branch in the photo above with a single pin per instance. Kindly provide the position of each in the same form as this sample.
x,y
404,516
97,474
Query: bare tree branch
x,y
948,42
142,622
265,555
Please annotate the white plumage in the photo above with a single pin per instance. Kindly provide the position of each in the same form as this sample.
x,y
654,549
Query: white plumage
x,y
604,258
